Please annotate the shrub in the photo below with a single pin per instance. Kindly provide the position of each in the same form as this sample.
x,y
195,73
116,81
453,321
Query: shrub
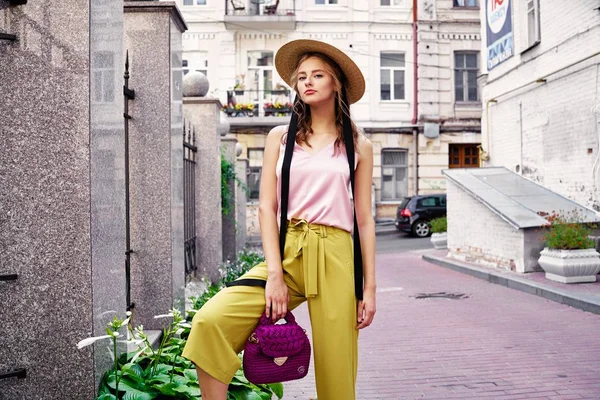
x,y
439,225
567,233
228,175
147,373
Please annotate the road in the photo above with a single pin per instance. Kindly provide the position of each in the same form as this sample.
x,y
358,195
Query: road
x,y
399,242
489,342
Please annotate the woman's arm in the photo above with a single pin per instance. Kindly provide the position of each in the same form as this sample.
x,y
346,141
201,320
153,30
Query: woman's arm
x,y
366,226
276,293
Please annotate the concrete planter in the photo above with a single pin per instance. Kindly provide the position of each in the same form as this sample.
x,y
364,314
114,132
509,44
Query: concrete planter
x,y
570,266
439,240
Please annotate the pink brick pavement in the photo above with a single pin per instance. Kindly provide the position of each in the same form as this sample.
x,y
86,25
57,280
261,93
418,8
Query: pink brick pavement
x,y
497,344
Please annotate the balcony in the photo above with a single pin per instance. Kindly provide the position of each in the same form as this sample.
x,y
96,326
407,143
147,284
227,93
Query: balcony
x,y
258,107
260,14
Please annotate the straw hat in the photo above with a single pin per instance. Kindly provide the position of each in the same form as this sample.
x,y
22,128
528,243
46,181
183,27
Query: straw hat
x,y
286,61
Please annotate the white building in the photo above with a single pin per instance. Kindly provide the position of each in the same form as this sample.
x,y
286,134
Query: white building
x,y
543,102
541,86
234,42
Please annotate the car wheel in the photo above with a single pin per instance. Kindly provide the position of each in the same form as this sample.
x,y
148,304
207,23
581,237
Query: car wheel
x,y
421,228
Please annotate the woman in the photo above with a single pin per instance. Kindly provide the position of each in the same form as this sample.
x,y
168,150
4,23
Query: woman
x,y
317,264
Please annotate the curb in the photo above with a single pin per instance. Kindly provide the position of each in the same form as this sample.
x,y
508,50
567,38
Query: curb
x,y
386,232
579,301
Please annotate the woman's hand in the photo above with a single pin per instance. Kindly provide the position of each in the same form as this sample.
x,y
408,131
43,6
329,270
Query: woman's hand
x,y
366,309
277,298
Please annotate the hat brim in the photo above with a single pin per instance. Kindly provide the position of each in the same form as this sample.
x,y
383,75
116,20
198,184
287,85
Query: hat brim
x,y
286,62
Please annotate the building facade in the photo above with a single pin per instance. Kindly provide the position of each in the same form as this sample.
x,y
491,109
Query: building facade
x,y
420,120
541,88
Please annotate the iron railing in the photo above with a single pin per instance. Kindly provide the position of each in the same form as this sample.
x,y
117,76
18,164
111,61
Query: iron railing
x,y
128,94
189,197
260,7
255,103
20,373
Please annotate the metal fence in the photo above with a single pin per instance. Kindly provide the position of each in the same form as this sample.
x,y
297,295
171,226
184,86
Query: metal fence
x,y
189,196
260,7
254,103
128,94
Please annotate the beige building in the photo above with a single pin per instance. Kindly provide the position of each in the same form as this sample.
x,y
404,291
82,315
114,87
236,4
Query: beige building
x,y
235,42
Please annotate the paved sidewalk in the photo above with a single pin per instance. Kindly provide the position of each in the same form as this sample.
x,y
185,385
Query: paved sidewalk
x,y
492,343
584,296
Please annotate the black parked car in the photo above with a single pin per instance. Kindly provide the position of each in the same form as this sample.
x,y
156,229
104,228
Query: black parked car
x,y
414,213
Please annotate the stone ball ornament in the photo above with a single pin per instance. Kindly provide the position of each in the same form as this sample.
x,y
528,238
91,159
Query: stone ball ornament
x,y
224,126
195,84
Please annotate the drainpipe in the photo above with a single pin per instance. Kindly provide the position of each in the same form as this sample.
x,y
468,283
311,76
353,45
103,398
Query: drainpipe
x,y
415,96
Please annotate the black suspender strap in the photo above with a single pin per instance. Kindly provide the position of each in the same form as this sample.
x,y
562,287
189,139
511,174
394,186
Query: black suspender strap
x,y
349,144
285,175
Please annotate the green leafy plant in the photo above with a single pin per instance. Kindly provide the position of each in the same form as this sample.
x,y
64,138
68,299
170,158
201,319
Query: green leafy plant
x,y
439,225
147,373
565,232
229,271
228,175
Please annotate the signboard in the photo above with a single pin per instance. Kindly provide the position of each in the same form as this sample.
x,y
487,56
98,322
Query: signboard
x,y
500,39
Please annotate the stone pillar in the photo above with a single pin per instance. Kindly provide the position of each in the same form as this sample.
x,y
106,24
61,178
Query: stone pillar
x,y
229,234
240,201
203,114
62,195
153,38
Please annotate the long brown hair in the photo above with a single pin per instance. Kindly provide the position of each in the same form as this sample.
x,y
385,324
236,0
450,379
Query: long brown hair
x,y
341,108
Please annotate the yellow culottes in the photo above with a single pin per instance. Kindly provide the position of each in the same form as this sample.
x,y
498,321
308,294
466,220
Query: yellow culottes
x,y
318,268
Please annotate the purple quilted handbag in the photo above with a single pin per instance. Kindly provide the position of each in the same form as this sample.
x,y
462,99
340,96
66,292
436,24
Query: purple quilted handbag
x,y
276,353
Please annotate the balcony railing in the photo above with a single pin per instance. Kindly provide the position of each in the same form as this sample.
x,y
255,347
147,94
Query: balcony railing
x,y
258,103
251,14
260,7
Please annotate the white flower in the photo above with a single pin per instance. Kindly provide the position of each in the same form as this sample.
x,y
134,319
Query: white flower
x,y
169,315
185,325
91,340
139,353
191,313
125,322
116,334
128,313
179,331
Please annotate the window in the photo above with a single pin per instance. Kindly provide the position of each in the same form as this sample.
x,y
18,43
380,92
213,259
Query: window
x,y
104,77
255,159
428,202
196,61
533,23
466,3
391,2
392,76
194,2
466,66
463,156
394,174
326,1
260,77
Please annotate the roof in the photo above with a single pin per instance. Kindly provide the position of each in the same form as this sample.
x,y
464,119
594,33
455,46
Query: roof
x,y
514,198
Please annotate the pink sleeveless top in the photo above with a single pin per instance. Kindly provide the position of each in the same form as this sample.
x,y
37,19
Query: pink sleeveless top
x,y
319,187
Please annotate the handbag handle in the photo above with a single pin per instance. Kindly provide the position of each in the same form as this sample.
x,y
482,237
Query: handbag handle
x,y
289,318
285,184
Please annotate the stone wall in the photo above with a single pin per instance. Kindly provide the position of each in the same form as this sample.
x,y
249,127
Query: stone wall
x,y
62,198
476,234
548,130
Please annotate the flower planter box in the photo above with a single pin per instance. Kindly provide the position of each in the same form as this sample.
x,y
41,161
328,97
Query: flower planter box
x,y
439,240
276,111
570,266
